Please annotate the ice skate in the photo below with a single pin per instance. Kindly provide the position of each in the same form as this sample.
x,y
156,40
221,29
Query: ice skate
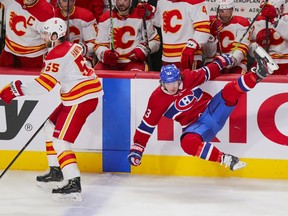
x,y
265,64
52,179
232,162
71,191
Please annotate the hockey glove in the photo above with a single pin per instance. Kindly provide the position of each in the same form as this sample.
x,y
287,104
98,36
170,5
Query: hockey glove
x,y
224,61
145,9
10,91
261,37
110,57
135,155
269,11
187,57
139,53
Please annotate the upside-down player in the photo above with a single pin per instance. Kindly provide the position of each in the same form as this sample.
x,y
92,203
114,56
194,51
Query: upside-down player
x,y
179,97
80,89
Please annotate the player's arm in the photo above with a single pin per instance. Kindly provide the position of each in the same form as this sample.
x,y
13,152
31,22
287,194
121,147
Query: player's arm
x,y
144,131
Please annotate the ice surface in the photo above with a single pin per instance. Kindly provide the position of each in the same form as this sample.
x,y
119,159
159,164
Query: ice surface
x,y
142,195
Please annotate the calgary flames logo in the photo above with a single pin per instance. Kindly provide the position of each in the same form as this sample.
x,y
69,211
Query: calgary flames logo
x,y
14,21
127,33
167,21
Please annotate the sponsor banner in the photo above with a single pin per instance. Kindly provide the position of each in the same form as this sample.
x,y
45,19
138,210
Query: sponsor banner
x,y
257,127
21,118
244,8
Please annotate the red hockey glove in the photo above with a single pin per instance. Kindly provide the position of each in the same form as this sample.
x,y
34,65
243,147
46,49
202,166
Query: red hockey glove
x,y
139,53
135,155
261,38
224,61
110,57
187,56
215,27
10,91
269,11
145,9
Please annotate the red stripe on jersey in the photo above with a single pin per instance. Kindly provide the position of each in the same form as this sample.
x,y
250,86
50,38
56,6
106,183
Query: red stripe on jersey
x,y
82,89
48,82
19,49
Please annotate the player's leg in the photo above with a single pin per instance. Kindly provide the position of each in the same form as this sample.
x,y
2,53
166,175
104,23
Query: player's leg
x,y
265,67
53,177
68,126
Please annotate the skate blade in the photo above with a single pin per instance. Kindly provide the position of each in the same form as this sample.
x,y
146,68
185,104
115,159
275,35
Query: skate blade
x,y
51,185
270,62
67,197
239,165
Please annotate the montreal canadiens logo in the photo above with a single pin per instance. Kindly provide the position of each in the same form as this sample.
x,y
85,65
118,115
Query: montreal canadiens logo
x,y
185,102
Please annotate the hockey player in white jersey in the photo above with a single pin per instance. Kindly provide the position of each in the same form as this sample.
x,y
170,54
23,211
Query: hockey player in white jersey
x,y
227,30
82,25
185,28
23,44
80,90
275,38
121,43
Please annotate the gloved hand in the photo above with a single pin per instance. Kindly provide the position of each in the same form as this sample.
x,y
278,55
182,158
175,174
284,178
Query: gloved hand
x,y
187,56
224,61
135,155
269,11
10,91
139,53
110,57
84,48
261,38
145,9
215,27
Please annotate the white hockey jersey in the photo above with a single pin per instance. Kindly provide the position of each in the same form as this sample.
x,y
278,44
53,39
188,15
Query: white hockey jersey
x,y
180,21
228,36
127,32
278,48
24,25
82,27
65,65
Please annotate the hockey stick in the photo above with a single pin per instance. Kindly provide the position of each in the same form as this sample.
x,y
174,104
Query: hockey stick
x,y
218,31
24,147
267,31
2,36
146,38
68,17
249,27
112,47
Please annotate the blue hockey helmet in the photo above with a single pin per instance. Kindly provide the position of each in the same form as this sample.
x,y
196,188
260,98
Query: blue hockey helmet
x,y
169,73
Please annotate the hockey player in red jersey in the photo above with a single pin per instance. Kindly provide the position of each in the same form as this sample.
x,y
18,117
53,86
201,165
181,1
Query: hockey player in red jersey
x,y
80,90
121,43
226,32
185,29
275,38
82,25
23,44
179,97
